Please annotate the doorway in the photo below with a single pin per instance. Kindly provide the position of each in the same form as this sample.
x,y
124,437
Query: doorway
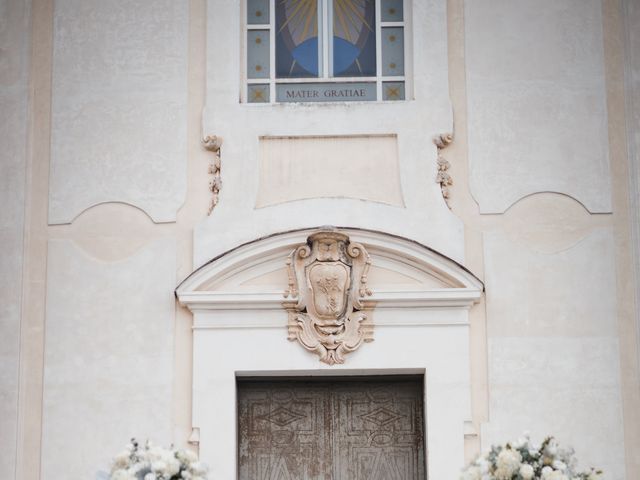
x,y
344,428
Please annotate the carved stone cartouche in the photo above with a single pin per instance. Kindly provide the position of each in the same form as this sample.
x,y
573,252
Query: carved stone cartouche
x,y
325,298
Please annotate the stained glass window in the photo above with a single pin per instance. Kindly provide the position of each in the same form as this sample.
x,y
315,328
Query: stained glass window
x,y
297,38
354,38
325,50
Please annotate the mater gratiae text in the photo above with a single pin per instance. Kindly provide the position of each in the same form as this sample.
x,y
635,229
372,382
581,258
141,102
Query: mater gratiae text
x,y
343,93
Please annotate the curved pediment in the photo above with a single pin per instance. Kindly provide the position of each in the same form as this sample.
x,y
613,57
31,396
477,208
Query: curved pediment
x,y
402,272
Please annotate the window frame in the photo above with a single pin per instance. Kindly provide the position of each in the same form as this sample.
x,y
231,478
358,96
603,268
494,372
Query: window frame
x,y
325,55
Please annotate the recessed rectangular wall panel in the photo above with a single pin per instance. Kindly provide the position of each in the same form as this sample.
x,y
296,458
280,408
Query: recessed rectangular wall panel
x,y
553,348
108,355
362,167
537,101
119,106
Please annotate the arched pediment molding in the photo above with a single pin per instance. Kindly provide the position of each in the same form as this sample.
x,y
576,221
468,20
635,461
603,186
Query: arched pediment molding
x,y
403,273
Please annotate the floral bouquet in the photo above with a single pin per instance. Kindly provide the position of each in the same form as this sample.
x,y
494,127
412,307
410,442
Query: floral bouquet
x,y
150,462
523,460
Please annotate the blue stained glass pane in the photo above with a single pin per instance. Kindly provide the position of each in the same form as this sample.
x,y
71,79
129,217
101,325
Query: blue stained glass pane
x,y
391,10
354,38
393,51
296,38
258,12
258,54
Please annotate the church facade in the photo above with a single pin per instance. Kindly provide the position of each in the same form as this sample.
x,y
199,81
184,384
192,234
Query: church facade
x,y
318,238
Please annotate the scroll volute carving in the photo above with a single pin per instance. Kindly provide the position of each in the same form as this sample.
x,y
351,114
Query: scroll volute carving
x,y
325,300
443,178
214,144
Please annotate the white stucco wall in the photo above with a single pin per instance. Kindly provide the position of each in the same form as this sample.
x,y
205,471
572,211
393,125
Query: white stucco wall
x,y
631,12
14,81
537,101
554,358
134,85
118,107
108,356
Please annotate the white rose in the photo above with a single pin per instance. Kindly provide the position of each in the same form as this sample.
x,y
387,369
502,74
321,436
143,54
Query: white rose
x,y
150,476
117,474
559,465
508,463
173,466
185,457
154,454
122,475
190,456
120,461
550,474
472,473
198,468
159,466
552,448
526,472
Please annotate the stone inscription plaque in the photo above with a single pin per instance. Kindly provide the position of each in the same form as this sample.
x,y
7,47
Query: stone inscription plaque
x,y
326,92
331,430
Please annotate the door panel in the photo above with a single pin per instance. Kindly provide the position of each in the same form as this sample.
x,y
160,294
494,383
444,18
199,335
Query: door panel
x,y
378,431
331,430
283,432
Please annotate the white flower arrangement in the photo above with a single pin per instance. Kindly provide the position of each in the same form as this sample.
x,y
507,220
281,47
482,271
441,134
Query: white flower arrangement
x,y
150,462
523,460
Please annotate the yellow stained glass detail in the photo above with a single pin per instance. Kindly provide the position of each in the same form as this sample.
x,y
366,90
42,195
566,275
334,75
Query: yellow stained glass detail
x,y
350,19
300,19
393,92
258,95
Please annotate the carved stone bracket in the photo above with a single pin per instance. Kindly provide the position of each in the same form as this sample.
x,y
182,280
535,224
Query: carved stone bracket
x,y
442,141
194,438
325,299
214,144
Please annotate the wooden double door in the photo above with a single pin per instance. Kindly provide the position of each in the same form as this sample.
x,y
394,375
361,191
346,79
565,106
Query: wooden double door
x,y
339,429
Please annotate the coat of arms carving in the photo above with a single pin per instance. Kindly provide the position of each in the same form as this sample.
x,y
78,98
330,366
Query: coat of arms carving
x,y
326,295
